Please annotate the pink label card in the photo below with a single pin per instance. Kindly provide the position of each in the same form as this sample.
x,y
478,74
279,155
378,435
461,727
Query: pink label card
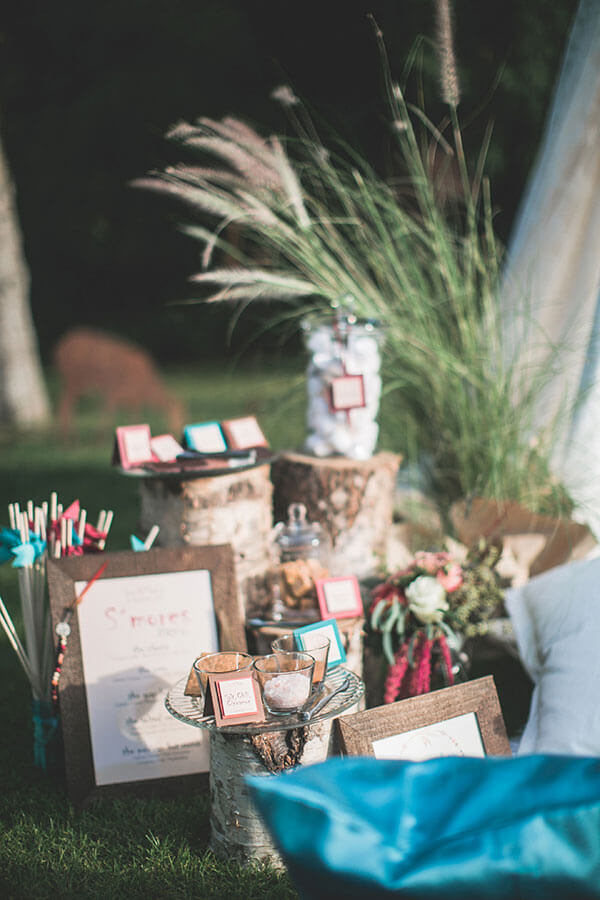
x,y
347,392
132,446
339,597
235,698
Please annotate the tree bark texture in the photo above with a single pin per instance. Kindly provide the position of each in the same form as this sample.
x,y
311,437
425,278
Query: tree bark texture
x,y
23,396
234,509
352,500
236,830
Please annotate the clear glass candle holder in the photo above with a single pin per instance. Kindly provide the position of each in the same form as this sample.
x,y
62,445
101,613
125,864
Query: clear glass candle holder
x,y
217,663
285,680
317,645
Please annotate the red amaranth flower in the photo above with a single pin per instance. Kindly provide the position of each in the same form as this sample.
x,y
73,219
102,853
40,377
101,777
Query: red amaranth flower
x,y
447,659
395,674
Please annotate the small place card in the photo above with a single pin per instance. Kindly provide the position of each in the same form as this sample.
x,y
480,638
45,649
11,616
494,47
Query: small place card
x,y
329,628
132,446
339,597
205,437
235,698
244,433
347,392
165,447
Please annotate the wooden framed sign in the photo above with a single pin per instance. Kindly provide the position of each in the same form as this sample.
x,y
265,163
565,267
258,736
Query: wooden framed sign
x,y
339,597
463,720
137,630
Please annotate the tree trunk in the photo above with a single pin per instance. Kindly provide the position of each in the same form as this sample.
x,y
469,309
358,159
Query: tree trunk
x,y
353,501
23,396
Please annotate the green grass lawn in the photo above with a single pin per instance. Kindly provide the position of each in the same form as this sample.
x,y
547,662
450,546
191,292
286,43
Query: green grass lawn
x,y
124,848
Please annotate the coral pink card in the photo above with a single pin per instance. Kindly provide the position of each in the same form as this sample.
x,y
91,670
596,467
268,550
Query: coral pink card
x,y
244,433
132,446
339,597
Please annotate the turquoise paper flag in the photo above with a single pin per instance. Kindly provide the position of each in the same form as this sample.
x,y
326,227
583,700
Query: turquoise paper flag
x,y
9,538
24,555
136,544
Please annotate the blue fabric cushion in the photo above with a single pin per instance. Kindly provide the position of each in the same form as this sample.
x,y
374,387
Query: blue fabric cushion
x,y
458,828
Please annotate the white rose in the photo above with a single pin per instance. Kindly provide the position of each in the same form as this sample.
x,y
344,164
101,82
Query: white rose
x,y
426,599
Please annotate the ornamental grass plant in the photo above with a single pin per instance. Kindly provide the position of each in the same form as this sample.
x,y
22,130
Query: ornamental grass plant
x,y
318,229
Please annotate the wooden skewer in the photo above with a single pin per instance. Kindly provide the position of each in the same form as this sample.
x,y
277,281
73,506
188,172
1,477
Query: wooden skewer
x,y
106,528
11,516
13,637
81,525
24,528
151,537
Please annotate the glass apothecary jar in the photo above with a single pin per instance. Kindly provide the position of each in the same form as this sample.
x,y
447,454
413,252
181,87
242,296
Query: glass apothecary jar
x,y
302,553
343,384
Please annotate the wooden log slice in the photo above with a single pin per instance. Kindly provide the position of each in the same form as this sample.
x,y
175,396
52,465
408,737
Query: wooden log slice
x,y
237,831
352,500
235,509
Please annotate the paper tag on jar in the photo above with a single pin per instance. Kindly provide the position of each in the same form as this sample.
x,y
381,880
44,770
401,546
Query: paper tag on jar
x,y
347,392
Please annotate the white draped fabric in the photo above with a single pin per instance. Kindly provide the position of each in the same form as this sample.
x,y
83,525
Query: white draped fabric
x,y
553,269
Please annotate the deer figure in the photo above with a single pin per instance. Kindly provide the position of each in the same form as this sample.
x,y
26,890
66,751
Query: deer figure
x,y
124,375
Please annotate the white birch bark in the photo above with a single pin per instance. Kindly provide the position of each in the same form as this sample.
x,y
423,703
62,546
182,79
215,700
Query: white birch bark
x,y
23,397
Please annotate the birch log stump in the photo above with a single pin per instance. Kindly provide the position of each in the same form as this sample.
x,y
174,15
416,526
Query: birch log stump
x,y
237,831
235,508
352,500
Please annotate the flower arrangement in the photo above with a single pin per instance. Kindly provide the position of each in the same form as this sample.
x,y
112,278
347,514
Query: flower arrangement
x,y
429,607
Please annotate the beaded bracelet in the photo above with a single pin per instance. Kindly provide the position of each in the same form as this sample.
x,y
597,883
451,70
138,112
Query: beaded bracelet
x,y
63,630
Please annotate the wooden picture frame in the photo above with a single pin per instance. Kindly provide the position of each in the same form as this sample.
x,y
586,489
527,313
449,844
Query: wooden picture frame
x,y
77,720
362,733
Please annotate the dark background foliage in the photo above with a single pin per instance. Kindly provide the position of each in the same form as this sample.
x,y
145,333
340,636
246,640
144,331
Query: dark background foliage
x,y
87,91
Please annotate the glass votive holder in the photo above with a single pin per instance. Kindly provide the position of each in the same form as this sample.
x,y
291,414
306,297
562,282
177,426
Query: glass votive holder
x,y
285,680
217,663
314,643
